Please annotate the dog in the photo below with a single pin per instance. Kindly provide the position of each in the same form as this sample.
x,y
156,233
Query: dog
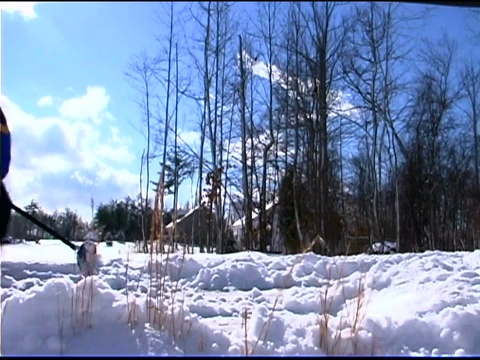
x,y
87,258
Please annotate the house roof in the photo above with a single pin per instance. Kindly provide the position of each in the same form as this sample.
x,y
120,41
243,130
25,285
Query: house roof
x,y
255,215
191,211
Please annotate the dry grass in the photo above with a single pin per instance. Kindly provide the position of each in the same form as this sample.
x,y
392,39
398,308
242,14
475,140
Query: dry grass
x,y
82,303
343,339
163,311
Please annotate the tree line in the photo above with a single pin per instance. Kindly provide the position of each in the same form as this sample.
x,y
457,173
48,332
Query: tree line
x,y
67,223
118,220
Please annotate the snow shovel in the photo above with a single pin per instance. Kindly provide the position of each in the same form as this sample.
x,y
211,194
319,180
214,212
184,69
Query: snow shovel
x,y
86,253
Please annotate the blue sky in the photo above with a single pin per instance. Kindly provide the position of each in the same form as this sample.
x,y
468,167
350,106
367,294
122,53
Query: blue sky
x,y
70,107
64,68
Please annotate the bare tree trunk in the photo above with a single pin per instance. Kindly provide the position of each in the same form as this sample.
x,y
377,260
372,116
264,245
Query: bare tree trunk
x,y
227,165
253,162
342,191
161,188
206,99
247,198
140,73
397,198
269,12
143,206
175,171
471,86
296,179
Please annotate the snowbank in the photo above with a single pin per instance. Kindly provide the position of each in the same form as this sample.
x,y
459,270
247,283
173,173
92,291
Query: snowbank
x,y
415,304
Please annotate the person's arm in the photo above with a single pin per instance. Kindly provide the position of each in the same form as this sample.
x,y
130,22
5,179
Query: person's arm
x,y
6,144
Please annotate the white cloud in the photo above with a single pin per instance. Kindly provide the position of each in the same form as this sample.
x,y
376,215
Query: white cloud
x,y
61,161
25,9
45,101
191,138
262,70
90,106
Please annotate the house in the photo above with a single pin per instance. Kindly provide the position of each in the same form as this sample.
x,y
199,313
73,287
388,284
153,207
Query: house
x,y
239,225
180,213
190,228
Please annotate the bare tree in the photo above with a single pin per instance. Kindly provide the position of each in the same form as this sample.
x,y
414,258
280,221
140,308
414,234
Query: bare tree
x,y
222,36
326,37
175,146
141,75
471,87
157,228
313,41
268,28
435,97
247,196
203,99
373,56
297,91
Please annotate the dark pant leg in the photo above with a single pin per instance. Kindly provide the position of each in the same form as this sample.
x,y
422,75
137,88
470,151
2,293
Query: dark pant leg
x,y
5,211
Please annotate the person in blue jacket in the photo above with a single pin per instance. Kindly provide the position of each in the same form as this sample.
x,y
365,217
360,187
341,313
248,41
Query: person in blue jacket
x,y
5,158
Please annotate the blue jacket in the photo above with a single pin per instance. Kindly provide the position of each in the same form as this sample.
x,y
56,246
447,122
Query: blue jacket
x,y
6,144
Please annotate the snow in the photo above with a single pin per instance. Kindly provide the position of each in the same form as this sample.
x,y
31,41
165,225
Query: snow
x,y
412,304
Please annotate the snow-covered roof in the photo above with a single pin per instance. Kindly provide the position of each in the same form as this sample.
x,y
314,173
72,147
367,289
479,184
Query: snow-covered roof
x,y
191,211
255,215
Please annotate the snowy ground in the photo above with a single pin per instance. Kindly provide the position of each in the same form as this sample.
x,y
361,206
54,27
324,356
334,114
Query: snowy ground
x,y
421,304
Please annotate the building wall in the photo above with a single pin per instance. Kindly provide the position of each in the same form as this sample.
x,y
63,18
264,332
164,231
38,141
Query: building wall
x,y
190,227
